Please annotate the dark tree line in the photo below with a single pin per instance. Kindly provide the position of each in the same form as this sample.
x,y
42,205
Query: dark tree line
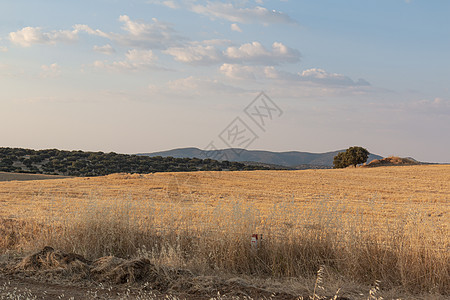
x,y
80,163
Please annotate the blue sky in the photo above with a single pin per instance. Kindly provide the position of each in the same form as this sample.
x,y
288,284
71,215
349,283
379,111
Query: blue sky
x,y
142,76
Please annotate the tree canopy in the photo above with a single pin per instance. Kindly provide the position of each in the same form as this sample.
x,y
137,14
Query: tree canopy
x,y
353,156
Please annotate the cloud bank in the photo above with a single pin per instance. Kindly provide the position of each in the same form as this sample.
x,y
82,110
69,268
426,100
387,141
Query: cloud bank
x,y
249,53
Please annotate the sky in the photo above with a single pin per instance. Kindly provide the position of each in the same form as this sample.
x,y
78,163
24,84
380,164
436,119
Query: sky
x,y
134,76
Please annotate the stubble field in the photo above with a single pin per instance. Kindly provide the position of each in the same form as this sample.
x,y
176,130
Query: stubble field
x,y
388,224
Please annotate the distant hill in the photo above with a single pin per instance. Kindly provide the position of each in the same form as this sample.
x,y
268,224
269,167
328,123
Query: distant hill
x,y
291,159
393,161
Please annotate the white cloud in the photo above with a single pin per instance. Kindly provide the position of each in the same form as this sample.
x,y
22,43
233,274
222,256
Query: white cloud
x,y
309,83
235,27
240,80
196,54
230,12
85,28
236,71
3,49
313,76
156,35
141,56
253,53
135,59
105,49
257,53
323,77
50,71
171,4
28,36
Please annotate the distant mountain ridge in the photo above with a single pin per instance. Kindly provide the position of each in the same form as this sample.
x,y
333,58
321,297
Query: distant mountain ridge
x,y
289,159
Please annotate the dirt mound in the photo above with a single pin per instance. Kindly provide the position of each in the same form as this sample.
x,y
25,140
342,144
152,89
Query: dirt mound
x,y
73,267
54,266
51,264
48,258
119,271
392,161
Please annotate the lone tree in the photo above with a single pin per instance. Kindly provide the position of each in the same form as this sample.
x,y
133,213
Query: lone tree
x,y
340,161
352,156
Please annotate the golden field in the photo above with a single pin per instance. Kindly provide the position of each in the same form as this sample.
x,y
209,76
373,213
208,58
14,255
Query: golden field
x,y
387,193
386,223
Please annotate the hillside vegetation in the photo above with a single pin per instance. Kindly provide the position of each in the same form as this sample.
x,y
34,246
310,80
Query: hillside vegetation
x,y
80,163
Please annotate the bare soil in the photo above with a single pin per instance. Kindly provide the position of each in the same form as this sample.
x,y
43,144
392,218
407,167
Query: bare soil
x,y
5,176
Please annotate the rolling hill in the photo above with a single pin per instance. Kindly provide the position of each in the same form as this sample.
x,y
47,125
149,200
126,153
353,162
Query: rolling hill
x,y
291,159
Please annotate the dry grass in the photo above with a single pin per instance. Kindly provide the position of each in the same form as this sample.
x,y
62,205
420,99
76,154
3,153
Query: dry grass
x,y
388,224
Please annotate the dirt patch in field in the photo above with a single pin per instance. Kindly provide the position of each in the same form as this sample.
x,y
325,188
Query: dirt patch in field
x,y
6,176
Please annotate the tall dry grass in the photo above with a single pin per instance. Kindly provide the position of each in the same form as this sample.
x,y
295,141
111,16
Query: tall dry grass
x,y
411,252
